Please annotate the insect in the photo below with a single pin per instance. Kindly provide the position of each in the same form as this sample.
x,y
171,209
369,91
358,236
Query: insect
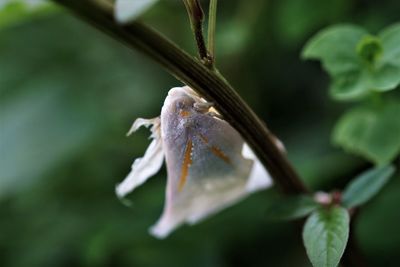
x,y
209,165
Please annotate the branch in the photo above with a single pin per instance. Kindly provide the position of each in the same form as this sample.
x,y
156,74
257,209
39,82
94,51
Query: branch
x,y
212,20
209,84
196,17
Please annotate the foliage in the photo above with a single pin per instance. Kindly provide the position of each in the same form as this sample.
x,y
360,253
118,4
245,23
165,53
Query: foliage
x,y
366,185
325,236
371,131
362,67
358,62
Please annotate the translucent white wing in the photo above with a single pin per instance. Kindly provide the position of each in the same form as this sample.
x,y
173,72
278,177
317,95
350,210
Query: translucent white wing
x,y
259,178
145,167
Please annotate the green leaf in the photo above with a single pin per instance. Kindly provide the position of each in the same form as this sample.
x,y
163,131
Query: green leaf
x,y
369,49
366,185
348,85
384,78
335,47
390,39
290,208
371,132
357,84
359,63
325,236
128,10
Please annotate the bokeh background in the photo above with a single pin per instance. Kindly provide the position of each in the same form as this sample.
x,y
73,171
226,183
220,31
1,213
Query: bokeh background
x,y
68,95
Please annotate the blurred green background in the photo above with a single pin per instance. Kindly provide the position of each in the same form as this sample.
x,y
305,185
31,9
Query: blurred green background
x,y
68,95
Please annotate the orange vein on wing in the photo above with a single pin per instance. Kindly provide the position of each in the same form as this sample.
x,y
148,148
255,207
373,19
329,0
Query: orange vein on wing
x,y
215,150
187,161
219,153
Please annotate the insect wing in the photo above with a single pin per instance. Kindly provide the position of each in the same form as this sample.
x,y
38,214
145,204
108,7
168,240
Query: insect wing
x,y
206,169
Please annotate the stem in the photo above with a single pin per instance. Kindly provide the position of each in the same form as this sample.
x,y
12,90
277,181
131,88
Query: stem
x,y
212,18
196,17
203,80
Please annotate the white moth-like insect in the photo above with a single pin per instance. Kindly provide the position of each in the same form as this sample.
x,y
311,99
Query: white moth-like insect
x,y
209,165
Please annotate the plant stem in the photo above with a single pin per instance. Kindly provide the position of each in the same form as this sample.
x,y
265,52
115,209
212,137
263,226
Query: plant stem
x,y
212,21
211,86
196,16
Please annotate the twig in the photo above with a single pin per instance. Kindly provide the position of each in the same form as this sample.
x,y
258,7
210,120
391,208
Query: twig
x,y
212,21
196,16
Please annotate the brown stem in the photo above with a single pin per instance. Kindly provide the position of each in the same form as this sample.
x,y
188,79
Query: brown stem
x,y
203,80
196,16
